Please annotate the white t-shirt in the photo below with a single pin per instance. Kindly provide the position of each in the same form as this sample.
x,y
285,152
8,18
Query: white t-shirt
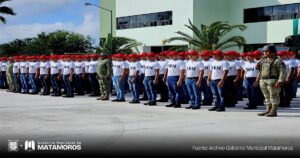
x,y
3,66
218,68
79,66
118,67
193,68
134,67
44,66
206,67
150,68
67,67
86,66
174,67
16,67
55,66
234,66
250,69
143,62
163,65
23,67
289,64
92,66
33,66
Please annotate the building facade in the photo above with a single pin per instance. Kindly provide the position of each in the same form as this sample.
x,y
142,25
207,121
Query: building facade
x,y
151,22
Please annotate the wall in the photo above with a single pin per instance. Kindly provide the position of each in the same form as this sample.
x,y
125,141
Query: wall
x,y
105,18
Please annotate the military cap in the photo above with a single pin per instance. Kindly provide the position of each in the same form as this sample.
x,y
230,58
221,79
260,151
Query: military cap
x,y
270,48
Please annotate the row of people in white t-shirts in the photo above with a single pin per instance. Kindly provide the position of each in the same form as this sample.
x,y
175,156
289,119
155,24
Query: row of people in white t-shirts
x,y
193,67
65,67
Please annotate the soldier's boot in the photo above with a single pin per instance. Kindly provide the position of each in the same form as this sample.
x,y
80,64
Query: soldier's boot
x,y
105,97
273,112
268,109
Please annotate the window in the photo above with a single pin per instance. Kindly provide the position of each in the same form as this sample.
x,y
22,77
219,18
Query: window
x,y
272,13
145,20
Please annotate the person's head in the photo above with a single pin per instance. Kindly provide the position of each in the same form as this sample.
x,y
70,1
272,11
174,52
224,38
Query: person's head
x,y
218,55
250,56
103,56
244,56
144,56
173,55
283,54
230,55
119,57
132,57
269,51
182,56
162,56
151,56
205,55
193,55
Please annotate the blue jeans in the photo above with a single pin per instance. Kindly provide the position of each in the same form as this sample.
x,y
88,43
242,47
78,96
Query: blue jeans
x,y
134,88
151,88
45,84
252,92
176,92
69,85
3,81
295,87
120,87
218,92
55,84
206,90
33,82
185,96
79,84
194,92
24,83
17,82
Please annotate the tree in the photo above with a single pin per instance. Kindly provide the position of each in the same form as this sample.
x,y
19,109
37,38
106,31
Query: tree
x,y
5,10
211,37
119,45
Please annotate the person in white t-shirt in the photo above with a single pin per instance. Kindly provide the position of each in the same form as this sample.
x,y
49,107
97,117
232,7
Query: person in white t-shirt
x,y
3,66
205,88
86,82
233,79
34,67
24,66
292,56
92,70
217,80
134,77
183,56
162,88
251,82
68,75
56,76
174,75
120,70
194,75
16,74
151,78
143,61
45,74
79,74
286,93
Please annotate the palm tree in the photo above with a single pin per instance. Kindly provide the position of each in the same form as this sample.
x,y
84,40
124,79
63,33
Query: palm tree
x,y
211,37
5,10
119,45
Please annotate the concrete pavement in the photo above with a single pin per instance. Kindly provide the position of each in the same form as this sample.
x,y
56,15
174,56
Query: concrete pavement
x,y
106,127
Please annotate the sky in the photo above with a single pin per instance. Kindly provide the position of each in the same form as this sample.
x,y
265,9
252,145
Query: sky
x,y
36,16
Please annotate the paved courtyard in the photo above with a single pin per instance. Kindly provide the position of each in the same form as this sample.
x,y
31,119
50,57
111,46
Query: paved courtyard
x,y
116,127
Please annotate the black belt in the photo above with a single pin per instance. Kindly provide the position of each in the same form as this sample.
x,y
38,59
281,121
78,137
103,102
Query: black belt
x,y
193,78
268,78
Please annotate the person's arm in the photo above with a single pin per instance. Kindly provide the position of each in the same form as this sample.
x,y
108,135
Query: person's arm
x,y
37,72
48,73
165,76
282,72
156,76
201,74
71,74
209,77
290,74
224,77
59,74
124,73
181,78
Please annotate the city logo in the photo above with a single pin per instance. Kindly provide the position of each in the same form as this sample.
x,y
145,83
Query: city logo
x,y
29,145
13,146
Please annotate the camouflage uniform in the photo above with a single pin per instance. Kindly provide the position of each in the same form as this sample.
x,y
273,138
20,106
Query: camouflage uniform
x,y
104,69
10,78
271,72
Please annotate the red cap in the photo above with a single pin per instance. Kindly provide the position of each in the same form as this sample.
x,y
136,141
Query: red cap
x,y
151,54
249,54
173,53
133,56
54,56
282,52
206,53
218,52
119,55
244,54
144,54
193,52
4,58
231,53
257,53
292,53
182,54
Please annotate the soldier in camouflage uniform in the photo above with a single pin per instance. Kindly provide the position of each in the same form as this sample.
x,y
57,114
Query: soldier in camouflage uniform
x,y
271,78
104,72
9,76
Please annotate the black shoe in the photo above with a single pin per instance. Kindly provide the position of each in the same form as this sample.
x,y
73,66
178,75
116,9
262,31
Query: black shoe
x,y
196,107
213,109
144,99
190,107
115,100
221,109
131,102
170,105
162,100
147,103
69,96
231,105
44,94
152,104
121,101
99,99
80,94
33,93
25,92
250,107
177,106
